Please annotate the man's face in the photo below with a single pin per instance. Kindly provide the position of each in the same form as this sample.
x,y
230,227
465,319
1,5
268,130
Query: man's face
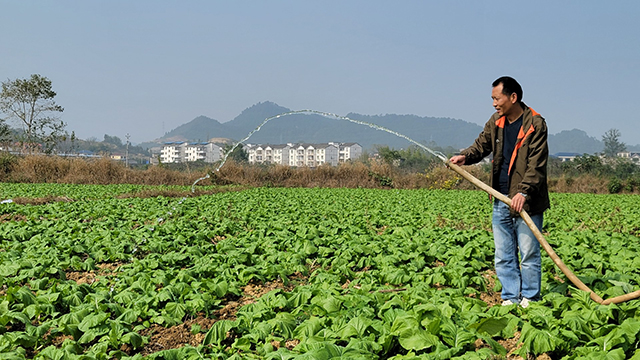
x,y
501,102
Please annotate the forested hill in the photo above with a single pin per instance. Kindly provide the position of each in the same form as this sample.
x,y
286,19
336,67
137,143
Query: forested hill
x,y
312,128
442,132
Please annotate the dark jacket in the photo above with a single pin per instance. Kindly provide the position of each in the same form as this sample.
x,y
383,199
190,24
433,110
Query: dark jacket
x,y
528,166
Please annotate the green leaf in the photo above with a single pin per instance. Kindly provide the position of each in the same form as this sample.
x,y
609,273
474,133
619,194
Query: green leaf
x,y
218,332
92,321
133,339
242,343
355,327
417,340
617,354
536,341
309,328
175,311
330,304
284,324
491,325
456,336
91,334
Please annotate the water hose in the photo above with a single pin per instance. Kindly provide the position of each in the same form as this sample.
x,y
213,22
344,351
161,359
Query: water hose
x,y
543,242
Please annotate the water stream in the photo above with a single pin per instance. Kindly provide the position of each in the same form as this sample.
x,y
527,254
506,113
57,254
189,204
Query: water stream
x,y
438,154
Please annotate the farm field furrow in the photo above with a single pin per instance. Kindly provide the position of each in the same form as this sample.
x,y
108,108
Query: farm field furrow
x,y
280,273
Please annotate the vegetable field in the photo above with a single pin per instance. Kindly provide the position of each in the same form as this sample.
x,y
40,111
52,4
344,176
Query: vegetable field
x,y
275,273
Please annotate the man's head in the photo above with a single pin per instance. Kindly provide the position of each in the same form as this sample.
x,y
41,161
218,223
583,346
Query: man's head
x,y
505,94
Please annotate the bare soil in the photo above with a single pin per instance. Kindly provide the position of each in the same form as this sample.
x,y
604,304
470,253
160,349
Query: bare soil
x,y
490,297
12,217
161,338
89,277
41,201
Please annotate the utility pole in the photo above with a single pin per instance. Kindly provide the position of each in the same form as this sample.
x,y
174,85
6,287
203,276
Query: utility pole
x,y
126,154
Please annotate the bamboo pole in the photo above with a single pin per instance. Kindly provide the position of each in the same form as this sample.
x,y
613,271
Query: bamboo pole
x,y
543,242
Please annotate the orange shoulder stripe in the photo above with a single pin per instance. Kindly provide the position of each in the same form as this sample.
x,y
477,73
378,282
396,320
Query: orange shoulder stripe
x,y
521,137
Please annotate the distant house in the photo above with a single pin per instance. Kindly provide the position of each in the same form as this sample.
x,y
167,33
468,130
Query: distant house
x,y
268,154
312,155
173,152
566,156
349,151
633,156
205,151
180,151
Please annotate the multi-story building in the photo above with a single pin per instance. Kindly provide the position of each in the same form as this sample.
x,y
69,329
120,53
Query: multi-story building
x,y
178,152
313,155
269,154
349,151
207,152
310,155
173,152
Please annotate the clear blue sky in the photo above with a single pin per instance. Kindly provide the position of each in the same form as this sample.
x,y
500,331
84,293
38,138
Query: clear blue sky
x,y
144,67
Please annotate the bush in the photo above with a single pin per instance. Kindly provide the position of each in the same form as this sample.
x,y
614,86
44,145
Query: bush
x,y
7,162
615,186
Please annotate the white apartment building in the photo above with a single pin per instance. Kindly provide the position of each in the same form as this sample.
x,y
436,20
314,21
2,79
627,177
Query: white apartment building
x,y
269,154
310,155
349,151
207,152
178,152
313,155
173,152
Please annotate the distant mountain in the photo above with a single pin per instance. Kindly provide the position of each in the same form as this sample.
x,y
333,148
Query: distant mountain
x,y
313,128
635,148
199,129
575,141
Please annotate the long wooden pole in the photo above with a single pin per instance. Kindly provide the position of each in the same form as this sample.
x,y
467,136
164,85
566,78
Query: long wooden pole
x,y
543,242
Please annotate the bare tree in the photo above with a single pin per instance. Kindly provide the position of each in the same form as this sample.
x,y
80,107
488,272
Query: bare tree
x,y
30,103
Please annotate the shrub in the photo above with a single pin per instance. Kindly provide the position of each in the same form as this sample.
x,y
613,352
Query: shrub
x,y
614,186
7,162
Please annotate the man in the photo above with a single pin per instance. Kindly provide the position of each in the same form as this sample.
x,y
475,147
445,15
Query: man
x,y
517,137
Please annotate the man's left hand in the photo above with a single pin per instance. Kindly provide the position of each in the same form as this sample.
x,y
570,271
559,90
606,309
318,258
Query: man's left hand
x,y
517,203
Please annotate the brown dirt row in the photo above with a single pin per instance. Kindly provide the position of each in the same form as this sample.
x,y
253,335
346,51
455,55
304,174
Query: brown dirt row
x,y
161,338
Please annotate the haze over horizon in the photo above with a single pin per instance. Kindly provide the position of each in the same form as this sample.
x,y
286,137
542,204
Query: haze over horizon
x,y
146,67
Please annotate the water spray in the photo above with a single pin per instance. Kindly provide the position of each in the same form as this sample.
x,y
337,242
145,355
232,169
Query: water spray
x,y
437,154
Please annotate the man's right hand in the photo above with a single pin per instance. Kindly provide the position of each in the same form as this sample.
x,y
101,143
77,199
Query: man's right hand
x,y
458,159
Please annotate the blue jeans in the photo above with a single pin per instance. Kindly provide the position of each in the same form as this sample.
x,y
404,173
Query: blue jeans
x,y
520,279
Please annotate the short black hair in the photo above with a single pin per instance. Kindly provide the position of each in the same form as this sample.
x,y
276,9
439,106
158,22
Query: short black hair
x,y
509,86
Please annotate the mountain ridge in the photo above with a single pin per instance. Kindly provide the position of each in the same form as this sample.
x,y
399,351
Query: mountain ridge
x,y
314,128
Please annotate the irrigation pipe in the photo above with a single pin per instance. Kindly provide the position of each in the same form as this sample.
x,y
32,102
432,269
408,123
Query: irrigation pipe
x,y
543,242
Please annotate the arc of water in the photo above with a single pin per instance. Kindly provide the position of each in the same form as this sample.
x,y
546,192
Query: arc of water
x,y
438,154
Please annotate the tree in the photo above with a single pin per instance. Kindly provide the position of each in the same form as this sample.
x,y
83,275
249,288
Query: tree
x,y
238,154
412,159
612,144
5,132
30,103
113,140
389,155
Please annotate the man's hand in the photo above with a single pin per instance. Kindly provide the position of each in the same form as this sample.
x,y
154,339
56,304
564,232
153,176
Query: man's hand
x,y
517,203
458,159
